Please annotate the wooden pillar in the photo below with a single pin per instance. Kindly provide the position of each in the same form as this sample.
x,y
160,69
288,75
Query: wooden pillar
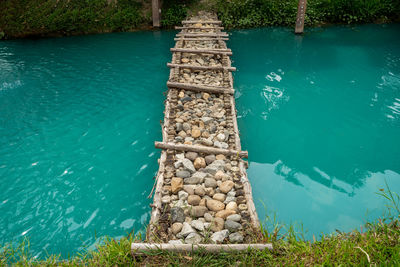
x,y
301,11
155,6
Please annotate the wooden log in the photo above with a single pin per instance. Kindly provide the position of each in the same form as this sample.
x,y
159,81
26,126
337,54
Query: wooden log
x,y
301,12
197,67
202,35
201,149
155,7
140,248
227,52
201,88
201,39
202,22
200,28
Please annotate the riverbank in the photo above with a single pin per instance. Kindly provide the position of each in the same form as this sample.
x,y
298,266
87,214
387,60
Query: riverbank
x,y
377,244
36,19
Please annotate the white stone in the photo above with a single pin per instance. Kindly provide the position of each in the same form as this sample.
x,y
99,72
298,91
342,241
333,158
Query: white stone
x,y
198,225
218,237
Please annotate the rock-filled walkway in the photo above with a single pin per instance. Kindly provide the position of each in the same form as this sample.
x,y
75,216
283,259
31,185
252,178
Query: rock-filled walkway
x,y
201,194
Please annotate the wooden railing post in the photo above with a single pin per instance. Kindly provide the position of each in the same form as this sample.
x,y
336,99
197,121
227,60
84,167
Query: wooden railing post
x,y
155,5
301,11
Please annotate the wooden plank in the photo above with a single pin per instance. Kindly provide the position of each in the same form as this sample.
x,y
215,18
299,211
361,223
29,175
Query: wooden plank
x,y
202,34
301,11
202,39
227,52
202,22
186,66
201,149
201,88
140,248
200,28
155,7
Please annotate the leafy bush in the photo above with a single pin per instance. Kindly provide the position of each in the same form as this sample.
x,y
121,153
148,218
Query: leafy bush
x,y
31,17
253,13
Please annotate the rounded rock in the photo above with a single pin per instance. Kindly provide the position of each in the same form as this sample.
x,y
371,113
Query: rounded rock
x,y
224,213
176,184
219,197
226,186
199,163
215,205
176,227
198,211
231,206
194,200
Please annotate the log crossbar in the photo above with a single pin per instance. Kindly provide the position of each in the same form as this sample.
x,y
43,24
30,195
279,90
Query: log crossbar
x,y
201,21
201,149
202,34
201,39
141,248
198,67
201,88
200,28
227,52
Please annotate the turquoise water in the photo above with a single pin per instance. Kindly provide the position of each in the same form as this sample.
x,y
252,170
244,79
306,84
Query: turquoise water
x,y
79,117
319,115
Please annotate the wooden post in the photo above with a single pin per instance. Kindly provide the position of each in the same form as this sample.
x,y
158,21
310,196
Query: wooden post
x,y
301,11
155,5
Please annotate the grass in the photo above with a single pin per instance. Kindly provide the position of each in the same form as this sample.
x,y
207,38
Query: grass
x,y
377,244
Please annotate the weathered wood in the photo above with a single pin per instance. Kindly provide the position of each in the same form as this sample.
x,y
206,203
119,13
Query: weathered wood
x,y
202,35
201,149
201,39
198,67
227,52
155,7
202,22
301,11
201,88
140,248
201,28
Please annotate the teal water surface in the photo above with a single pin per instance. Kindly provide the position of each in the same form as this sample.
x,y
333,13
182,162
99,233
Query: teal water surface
x,y
79,117
319,115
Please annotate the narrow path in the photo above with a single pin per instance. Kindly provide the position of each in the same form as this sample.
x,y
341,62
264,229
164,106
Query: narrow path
x,y
202,194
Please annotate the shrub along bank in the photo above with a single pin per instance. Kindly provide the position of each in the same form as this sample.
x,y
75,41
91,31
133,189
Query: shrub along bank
x,y
24,18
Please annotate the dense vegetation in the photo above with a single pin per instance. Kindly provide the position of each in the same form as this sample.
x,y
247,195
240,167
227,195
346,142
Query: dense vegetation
x,y
49,17
254,13
21,18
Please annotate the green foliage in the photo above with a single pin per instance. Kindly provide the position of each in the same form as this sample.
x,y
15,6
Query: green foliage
x,y
32,17
255,13
173,12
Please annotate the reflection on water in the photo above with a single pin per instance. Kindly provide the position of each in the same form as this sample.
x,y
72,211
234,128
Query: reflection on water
x,y
319,115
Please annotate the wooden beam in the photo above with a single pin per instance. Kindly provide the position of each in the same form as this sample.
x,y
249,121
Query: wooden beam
x,y
301,12
201,88
155,7
227,52
200,28
202,22
202,39
201,149
185,66
202,34
140,248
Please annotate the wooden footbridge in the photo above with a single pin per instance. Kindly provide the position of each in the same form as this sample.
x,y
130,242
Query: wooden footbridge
x,y
202,196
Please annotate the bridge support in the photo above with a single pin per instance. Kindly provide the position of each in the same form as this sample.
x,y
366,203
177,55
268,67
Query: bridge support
x,y
155,6
301,11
